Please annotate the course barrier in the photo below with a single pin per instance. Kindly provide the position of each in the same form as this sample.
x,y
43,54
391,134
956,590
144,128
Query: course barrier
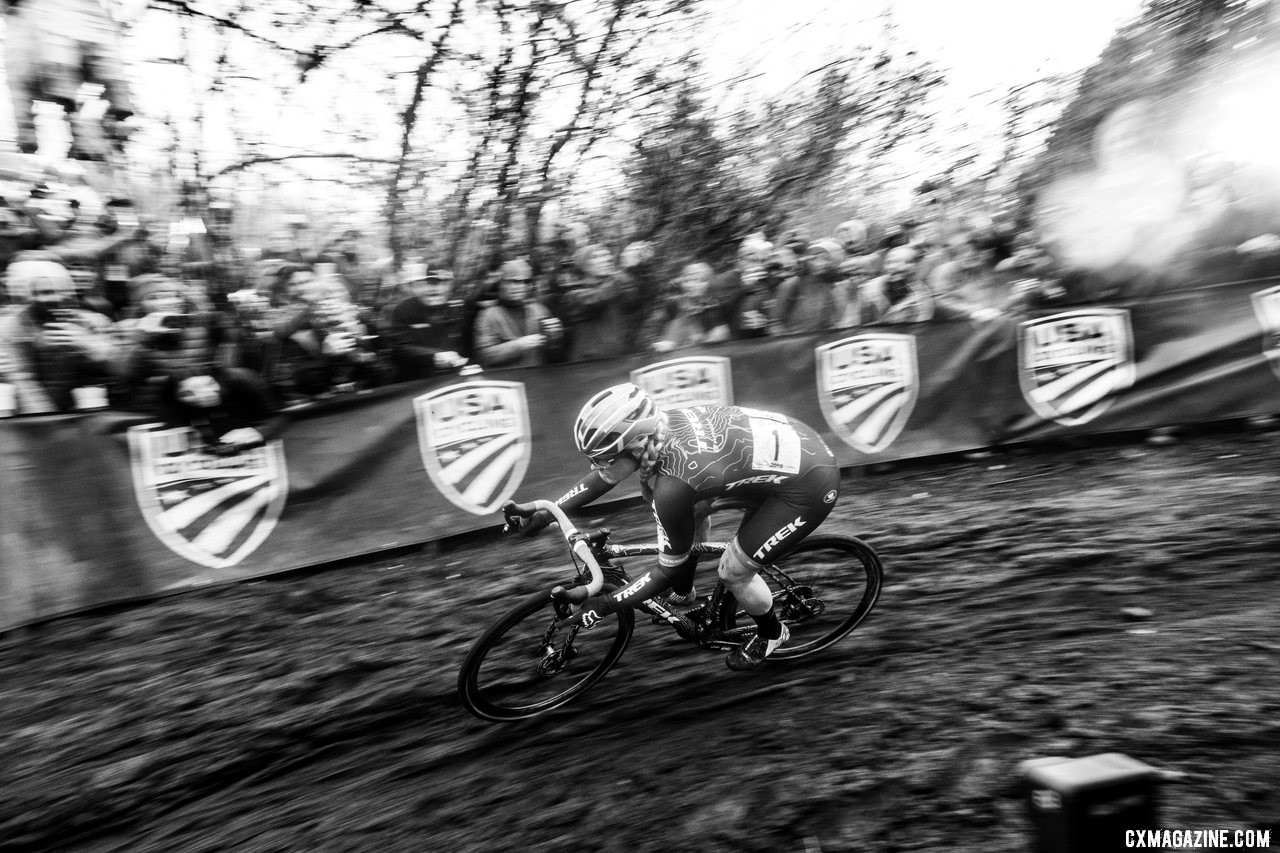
x,y
105,507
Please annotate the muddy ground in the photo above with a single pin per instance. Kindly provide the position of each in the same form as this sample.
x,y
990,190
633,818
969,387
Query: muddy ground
x,y
317,712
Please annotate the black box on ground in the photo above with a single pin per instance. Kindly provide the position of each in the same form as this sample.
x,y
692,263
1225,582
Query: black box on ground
x,y
1086,805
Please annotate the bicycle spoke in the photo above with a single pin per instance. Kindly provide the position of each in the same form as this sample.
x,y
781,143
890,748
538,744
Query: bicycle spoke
x,y
524,665
822,591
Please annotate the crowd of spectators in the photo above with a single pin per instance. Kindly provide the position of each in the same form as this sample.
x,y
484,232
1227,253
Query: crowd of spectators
x,y
102,306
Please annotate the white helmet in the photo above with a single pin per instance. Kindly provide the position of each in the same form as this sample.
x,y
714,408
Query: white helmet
x,y
614,420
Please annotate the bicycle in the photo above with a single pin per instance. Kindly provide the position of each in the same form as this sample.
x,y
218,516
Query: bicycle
x,y
524,665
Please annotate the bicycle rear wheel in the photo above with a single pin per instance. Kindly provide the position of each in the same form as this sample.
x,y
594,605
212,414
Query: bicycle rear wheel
x,y
822,591
523,666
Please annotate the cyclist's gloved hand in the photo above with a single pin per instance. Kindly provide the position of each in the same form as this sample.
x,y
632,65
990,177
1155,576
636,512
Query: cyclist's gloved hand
x,y
524,519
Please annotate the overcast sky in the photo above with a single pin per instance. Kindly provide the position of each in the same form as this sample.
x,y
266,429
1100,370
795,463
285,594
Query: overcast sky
x,y
983,43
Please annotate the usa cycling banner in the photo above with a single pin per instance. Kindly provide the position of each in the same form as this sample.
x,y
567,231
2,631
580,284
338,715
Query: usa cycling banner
x,y
107,507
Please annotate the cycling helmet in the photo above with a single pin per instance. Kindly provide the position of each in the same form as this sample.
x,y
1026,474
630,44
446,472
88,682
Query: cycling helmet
x,y
614,420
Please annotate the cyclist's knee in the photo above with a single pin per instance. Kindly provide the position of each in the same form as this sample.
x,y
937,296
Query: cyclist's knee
x,y
736,567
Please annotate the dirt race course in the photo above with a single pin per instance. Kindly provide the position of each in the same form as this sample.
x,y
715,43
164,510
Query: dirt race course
x,y
317,712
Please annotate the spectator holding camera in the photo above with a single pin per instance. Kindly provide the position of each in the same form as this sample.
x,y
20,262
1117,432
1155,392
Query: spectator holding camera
x,y
50,349
171,329
317,337
516,330
425,328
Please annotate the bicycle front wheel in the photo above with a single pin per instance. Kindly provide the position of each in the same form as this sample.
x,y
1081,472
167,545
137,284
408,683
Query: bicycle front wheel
x,y
524,666
822,591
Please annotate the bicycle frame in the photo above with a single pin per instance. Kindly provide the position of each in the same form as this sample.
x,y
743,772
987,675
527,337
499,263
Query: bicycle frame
x,y
596,553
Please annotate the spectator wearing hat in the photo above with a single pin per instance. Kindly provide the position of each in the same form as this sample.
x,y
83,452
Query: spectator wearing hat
x,y
170,328
425,329
515,330
591,306
813,300
48,348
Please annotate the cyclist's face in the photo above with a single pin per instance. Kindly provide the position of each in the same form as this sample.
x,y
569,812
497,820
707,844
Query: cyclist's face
x,y
616,469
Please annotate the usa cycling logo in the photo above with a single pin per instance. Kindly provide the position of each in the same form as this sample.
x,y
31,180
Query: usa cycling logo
x,y
212,510
475,442
868,386
1072,365
1266,305
691,381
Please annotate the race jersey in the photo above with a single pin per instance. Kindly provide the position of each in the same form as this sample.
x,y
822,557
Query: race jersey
x,y
719,450
713,451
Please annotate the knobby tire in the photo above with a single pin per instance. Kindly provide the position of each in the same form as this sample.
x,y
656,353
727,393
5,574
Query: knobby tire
x,y
844,572
494,688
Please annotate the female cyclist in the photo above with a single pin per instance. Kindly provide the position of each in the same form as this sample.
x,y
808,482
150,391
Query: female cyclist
x,y
686,456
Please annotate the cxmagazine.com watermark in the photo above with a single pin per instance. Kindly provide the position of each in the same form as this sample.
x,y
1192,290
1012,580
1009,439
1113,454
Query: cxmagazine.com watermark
x,y
1198,839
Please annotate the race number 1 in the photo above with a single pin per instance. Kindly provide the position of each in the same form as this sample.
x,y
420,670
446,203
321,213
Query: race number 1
x,y
776,446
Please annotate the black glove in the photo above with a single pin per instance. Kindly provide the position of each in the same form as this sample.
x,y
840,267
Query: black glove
x,y
524,519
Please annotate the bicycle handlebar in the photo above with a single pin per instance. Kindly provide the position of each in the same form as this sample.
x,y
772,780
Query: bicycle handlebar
x,y
579,546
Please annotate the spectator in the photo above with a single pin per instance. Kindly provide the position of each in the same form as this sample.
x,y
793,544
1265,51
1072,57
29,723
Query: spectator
x,y
930,245
743,291
898,295
638,291
48,348
172,329
425,328
361,279
689,317
1031,275
591,306
251,339
88,284
797,240
317,339
230,408
854,275
216,260
813,300
860,255
516,331
969,281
